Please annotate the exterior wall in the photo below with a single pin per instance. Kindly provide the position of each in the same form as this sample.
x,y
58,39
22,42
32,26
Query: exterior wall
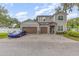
x,y
30,24
41,19
38,30
47,19
61,22
52,19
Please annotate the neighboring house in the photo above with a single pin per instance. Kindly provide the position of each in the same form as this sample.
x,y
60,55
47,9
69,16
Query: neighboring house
x,y
47,24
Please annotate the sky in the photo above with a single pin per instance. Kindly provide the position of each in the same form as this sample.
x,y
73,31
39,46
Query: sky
x,y
24,11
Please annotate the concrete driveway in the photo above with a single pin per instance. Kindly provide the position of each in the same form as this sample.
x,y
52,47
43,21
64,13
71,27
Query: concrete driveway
x,y
39,45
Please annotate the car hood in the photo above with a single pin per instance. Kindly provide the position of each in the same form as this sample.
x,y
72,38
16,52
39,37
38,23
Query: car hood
x,y
14,33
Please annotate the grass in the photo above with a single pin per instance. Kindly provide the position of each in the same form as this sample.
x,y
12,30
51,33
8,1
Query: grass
x,y
71,37
3,35
65,34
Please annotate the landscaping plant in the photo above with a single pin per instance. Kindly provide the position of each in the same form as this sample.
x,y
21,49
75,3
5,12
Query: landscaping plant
x,y
3,35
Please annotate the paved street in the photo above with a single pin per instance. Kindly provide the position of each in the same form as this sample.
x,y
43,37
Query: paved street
x,y
39,45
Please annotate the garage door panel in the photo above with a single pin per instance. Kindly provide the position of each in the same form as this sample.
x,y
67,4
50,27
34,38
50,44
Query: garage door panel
x,y
31,29
43,29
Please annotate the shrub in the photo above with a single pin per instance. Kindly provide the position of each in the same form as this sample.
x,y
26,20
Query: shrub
x,y
71,37
73,33
3,35
60,32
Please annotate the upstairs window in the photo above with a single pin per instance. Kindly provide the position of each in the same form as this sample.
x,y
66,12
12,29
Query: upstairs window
x,y
60,17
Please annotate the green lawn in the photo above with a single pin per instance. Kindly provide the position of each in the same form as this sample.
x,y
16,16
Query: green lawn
x,y
3,35
71,37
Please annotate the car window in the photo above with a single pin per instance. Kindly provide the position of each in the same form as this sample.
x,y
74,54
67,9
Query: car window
x,y
13,31
16,32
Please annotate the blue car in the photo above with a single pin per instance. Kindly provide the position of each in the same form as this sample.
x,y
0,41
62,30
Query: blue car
x,y
17,34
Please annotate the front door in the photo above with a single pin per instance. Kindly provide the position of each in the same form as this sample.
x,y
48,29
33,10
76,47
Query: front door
x,y
52,29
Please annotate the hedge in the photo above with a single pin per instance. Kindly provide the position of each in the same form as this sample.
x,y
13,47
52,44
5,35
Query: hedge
x,y
60,32
3,35
73,33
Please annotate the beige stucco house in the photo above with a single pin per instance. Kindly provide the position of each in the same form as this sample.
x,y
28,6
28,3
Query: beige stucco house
x,y
47,24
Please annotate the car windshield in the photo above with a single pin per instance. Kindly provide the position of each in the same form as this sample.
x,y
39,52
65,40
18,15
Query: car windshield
x,y
17,32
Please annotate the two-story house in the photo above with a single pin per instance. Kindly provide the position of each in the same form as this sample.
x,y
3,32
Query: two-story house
x,y
47,24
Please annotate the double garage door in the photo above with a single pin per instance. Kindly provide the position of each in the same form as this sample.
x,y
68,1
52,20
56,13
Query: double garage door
x,y
32,30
